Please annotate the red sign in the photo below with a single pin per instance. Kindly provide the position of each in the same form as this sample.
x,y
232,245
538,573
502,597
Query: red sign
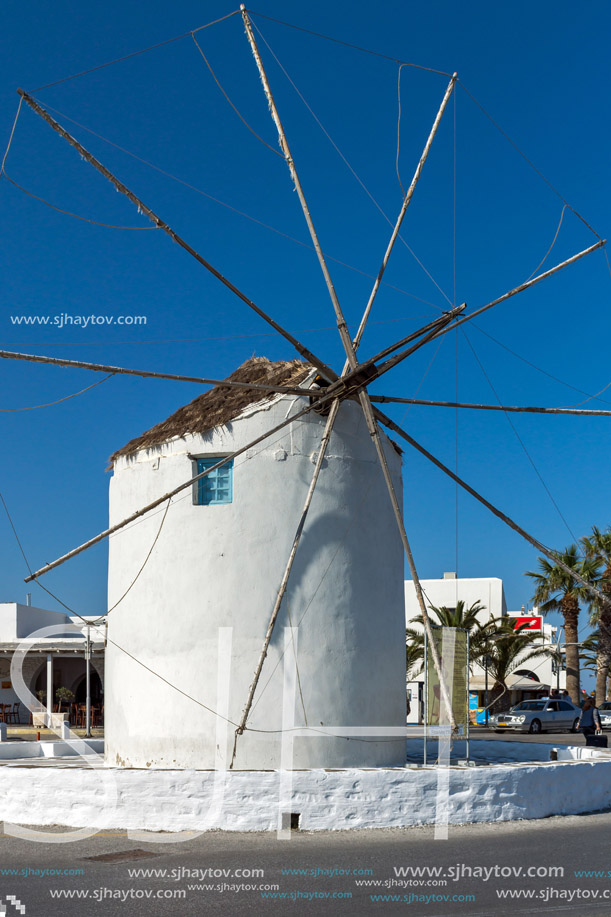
x,y
530,622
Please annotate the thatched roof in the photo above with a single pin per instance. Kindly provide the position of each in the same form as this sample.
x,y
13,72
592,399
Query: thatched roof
x,y
220,405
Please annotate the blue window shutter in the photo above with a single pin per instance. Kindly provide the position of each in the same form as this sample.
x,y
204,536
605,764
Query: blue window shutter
x,y
217,487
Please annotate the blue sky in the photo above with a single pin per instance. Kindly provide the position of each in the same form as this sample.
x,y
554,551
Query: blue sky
x,y
540,70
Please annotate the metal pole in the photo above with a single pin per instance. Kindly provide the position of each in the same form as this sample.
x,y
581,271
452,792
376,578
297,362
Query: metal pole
x,y
558,663
88,684
468,699
426,693
49,688
486,685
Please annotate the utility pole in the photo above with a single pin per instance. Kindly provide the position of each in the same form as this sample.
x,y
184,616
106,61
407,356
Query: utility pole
x,y
88,684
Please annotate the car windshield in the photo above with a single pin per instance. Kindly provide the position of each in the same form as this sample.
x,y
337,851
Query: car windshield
x,y
530,705
606,705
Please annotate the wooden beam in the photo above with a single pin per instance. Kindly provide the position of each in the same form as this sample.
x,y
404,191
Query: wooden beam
x,y
437,323
284,146
382,399
147,374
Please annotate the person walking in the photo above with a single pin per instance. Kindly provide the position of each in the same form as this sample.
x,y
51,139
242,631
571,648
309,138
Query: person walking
x,y
589,721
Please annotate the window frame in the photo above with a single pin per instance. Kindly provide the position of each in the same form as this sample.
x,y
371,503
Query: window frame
x,y
210,459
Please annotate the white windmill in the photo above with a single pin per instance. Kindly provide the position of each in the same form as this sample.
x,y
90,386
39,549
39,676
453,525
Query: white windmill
x,y
350,661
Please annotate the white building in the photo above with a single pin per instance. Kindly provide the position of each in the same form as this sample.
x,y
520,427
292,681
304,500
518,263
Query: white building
x,y
54,645
534,677
218,562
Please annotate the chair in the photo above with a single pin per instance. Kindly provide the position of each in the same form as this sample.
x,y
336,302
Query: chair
x,y
14,714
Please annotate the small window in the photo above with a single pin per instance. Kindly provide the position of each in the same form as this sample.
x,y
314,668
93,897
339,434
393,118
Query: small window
x,y
216,487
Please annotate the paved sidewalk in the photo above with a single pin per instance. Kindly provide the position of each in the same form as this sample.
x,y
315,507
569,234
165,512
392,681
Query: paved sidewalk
x,y
24,733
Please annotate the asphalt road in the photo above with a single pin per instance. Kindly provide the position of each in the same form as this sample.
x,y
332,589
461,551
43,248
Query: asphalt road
x,y
477,863
478,869
548,738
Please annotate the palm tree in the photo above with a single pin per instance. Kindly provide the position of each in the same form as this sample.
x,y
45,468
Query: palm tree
x,y
598,548
556,590
505,654
413,658
462,617
588,651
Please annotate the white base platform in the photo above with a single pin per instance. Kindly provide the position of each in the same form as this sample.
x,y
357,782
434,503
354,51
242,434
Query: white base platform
x,y
78,794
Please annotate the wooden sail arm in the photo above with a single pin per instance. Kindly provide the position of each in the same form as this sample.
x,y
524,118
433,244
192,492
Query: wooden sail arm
x,y
284,146
147,374
382,399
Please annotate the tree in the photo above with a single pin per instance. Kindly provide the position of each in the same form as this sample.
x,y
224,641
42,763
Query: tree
x,y
463,617
598,548
413,658
556,590
505,652
63,696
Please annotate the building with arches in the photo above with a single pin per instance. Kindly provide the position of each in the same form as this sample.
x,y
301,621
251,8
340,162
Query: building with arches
x,y
54,646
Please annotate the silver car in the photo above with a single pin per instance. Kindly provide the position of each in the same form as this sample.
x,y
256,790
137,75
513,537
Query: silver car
x,y
538,716
605,714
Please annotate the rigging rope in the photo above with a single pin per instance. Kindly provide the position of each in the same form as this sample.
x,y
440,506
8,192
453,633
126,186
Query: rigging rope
x,y
238,113
69,213
119,60
347,44
10,139
146,560
399,128
543,371
545,257
50,404
530,163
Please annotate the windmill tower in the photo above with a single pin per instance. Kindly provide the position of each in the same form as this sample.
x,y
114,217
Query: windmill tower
x,y
218,560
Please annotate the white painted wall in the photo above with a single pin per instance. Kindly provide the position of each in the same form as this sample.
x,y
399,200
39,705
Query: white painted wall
x,y
221,566
486,589
120,798
18,621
